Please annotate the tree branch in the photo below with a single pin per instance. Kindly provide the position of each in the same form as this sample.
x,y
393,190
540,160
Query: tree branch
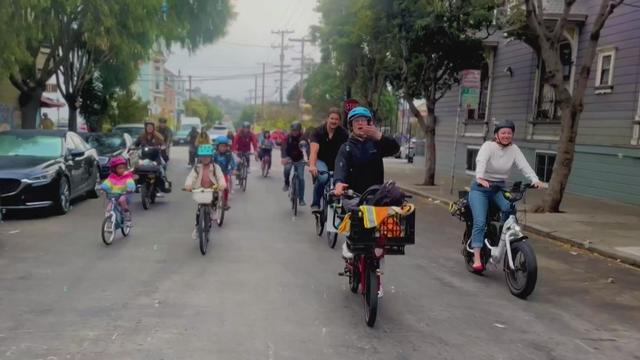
x,y
562,22
418,115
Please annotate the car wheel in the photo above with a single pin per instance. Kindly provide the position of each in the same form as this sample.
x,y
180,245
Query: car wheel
x,y
93,192
63,202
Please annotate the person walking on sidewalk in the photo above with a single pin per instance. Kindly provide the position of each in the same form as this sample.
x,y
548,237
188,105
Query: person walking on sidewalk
x,y
493,165
326,140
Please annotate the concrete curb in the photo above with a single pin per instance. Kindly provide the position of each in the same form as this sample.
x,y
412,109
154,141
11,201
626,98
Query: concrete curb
x,y
594,248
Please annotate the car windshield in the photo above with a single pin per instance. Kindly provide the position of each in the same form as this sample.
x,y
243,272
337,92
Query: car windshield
x,y
29,145
106,144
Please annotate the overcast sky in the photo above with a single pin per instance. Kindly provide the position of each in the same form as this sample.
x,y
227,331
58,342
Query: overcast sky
x,y
248,43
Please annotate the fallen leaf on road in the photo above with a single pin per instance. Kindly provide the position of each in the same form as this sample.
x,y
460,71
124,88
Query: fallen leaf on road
x,y
437,202
500,326
14,232
573,253
611,280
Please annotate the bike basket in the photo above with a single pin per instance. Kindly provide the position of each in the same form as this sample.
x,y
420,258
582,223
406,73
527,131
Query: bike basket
x,y
359,236
398,230
203,197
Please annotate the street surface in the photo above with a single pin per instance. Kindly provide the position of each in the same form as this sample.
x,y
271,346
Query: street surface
x,y
268,289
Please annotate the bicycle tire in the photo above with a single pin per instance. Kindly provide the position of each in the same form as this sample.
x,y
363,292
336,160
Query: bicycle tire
x,y
354,277
370,296
108,221
524,252
203,233
244,178
321,217
220,211
144,194
294,195
332,239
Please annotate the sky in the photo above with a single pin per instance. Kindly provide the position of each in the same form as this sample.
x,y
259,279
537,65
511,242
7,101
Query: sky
x,y
246,45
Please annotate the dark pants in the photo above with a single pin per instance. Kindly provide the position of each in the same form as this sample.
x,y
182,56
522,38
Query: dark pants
x,y
287,176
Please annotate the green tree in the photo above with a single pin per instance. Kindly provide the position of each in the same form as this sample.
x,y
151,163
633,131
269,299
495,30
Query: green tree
x,y
205,109
545,34
80,34
436,40
126,107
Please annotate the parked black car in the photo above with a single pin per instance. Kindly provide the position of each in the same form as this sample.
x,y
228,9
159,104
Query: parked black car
x,y
109,145
45,169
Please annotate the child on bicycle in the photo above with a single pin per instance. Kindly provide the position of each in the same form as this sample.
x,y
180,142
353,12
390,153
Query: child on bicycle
x,y
224,158
120,183
205,175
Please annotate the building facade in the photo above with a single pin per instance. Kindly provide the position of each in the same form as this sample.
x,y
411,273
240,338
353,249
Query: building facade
x,y
607,159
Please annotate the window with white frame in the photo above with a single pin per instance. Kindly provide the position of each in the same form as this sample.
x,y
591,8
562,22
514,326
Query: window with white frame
x,y
472,154
544,165
604,74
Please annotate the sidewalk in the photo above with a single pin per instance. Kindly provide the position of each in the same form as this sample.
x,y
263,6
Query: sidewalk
x,y
605,227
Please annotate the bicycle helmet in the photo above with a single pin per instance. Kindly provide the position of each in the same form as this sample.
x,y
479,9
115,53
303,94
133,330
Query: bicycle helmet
x,y
205,150
296,126
359,111
246,125
118,160
505,124
222,139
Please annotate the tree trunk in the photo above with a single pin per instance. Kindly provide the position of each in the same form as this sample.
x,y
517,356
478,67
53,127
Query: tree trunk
x,y
73,117
430,146
29,101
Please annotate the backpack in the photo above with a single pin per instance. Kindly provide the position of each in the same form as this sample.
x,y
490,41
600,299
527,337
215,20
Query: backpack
x,y
389,194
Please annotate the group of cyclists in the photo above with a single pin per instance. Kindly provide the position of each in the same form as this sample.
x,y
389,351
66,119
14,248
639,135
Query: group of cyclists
x,y
354,156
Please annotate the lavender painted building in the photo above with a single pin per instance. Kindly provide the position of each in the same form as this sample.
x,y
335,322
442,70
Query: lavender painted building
x,y
607,162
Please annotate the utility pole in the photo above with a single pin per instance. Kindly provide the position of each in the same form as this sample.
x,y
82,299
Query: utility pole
x,y
303,60
190,87
255,88
264,68
282,47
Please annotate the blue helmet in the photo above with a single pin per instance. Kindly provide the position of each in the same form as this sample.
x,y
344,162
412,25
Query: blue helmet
x,y
359,111
205,150
222,139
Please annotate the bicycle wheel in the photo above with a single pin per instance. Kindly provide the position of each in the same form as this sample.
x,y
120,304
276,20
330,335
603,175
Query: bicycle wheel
x,y
108,229
522,280
332,239
294,195
321,217
370,296
204,219
144,194
354,277
220,211
244,178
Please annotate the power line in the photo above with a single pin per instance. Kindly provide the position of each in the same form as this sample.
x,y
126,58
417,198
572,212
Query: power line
x,y
282,47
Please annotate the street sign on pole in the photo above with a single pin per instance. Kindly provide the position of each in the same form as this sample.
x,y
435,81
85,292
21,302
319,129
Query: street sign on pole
x,y
347,106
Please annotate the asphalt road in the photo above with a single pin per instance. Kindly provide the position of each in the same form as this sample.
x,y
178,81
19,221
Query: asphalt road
x,y
268,289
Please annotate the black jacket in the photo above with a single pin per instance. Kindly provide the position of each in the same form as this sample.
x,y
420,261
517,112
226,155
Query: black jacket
x,y
359,162
291,148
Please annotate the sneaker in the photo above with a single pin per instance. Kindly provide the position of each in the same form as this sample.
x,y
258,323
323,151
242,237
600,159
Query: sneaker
x,y
159,194
227,208
285,188
302,203
315,208
346,254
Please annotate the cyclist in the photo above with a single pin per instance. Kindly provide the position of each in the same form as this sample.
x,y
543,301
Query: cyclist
x,y
293,155
120,183
150,137
243,141
224,158
359,163
191,139
205,175
493,166
325,143
266,146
